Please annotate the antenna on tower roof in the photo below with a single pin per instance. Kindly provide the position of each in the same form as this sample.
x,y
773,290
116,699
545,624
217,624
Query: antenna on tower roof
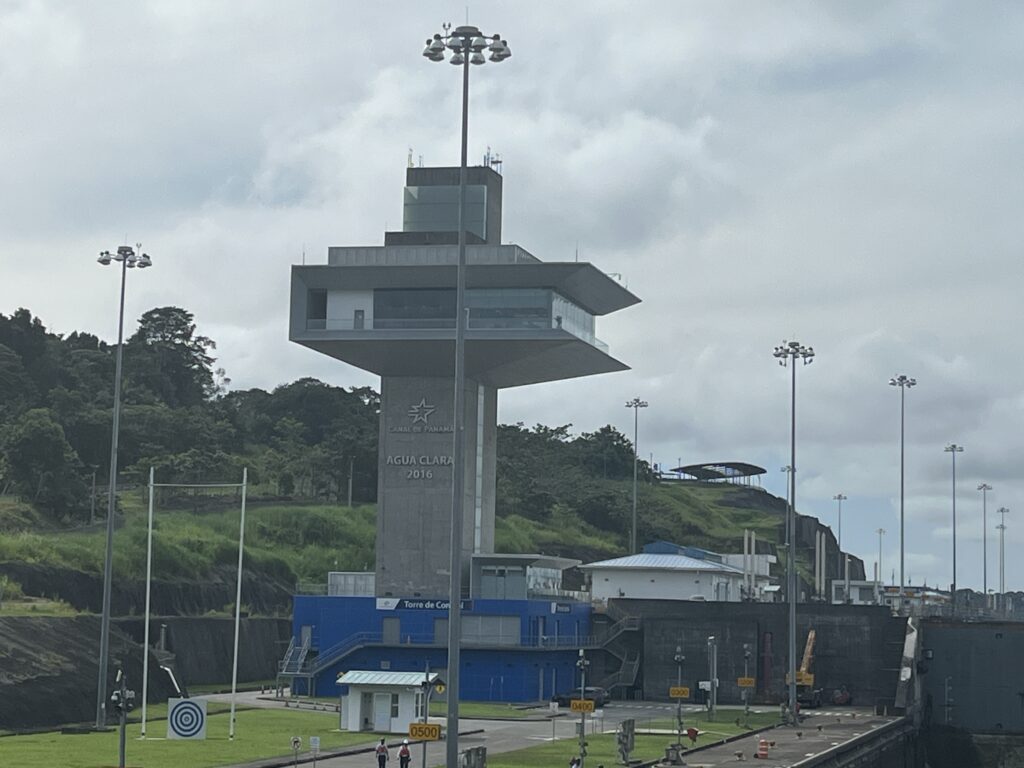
x,y
492,160
409,160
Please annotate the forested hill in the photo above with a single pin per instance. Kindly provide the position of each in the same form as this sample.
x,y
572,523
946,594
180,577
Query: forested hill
x,y
558,492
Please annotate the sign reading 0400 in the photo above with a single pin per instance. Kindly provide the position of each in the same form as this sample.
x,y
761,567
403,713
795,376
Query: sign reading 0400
x,y
581,705
425,731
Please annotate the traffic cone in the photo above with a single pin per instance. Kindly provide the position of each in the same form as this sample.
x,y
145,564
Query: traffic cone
x,y
762,749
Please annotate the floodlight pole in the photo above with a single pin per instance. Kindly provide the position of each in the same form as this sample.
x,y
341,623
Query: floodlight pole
x,y
128,257
636,404
953,449
839,499
788,353
467,45
904,382
984,488
1002,554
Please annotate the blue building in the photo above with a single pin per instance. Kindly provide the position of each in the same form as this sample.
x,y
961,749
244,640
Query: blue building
x,y
513,650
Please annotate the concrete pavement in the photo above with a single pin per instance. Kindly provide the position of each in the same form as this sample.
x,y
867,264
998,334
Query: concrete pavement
x,y
820,731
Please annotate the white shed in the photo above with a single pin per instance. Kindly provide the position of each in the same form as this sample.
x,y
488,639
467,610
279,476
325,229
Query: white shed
x,y
385,702
664,577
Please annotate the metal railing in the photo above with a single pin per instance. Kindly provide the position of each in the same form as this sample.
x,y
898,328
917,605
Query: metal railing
x,y
342,648
444,324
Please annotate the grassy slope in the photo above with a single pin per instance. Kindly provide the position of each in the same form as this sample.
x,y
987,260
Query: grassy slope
x,y
303,542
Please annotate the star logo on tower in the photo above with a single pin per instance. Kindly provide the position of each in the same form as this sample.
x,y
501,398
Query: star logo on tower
x,y
421,411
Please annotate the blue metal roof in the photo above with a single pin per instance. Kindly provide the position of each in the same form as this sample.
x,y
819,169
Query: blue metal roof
x,y
662,563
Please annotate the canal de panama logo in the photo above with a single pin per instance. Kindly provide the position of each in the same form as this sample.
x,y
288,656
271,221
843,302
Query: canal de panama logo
x,y
421,411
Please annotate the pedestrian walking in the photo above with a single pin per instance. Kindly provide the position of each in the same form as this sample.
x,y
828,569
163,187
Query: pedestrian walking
x,y
382,754
404,755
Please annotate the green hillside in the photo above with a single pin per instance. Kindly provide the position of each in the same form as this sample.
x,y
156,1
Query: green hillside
x,y
307,447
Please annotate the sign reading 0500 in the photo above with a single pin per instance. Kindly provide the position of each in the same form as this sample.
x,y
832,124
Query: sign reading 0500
x,y
425,731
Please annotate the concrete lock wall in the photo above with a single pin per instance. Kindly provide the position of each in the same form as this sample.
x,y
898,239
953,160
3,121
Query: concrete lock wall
x,y
204,646
973,679
856,646
50,668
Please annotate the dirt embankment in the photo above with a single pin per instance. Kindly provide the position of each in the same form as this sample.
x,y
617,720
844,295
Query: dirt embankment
x,y
49,665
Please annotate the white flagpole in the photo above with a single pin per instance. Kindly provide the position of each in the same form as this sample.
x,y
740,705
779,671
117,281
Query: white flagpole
x,y
149,577
238,603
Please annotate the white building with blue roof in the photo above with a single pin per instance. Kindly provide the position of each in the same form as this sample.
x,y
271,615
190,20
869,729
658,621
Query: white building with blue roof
x,y
669,572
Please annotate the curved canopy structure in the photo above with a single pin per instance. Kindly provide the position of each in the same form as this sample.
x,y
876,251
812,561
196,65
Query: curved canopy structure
x,y
720,470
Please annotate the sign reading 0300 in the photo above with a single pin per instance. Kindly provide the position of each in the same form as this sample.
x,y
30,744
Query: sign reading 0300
x,y
425,731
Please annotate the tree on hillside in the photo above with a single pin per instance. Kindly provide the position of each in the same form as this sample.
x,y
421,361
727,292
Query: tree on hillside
x,y
25,335
42,465
16,388
606,453
166,358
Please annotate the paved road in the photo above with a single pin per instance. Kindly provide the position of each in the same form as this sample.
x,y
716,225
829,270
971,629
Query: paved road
x,y
791,744
507,735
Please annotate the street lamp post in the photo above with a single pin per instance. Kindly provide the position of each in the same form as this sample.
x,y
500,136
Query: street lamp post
x,y
904,383
953,449
788,353
840,498
129,258
984,488
467,45
636,404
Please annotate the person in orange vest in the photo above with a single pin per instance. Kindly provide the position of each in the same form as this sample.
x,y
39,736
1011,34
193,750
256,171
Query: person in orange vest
x,y
382,754
404,754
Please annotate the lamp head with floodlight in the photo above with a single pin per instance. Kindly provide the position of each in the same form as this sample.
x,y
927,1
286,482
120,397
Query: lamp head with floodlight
x,y
129,256
467,44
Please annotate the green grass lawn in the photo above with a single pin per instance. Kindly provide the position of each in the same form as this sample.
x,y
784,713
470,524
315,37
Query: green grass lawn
x,y
471,709
725,718
258,733
601,748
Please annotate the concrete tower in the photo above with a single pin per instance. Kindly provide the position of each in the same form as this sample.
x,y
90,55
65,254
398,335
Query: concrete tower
x,y
391,310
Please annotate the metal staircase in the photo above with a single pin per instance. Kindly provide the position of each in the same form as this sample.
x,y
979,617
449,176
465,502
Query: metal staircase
x,y
614,642
293,665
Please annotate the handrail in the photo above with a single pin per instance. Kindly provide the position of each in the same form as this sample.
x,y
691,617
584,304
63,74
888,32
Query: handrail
x,y
335,652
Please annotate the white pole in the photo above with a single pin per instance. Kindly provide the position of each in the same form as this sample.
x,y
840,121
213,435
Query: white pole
x,y
149,579
238,604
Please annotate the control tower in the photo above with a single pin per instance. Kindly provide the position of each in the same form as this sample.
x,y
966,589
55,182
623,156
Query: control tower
x,y
391,310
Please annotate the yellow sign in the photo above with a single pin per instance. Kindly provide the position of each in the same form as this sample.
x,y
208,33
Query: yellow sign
x,y
581,705
438,687
679,692
745,682
425,731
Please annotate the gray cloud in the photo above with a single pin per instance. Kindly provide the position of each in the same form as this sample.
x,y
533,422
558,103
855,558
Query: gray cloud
x,y
848,173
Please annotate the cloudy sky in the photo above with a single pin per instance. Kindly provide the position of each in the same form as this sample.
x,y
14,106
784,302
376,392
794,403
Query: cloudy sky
x,y
848,174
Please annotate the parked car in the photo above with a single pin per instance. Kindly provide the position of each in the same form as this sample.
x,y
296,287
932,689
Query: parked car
x,y
592,693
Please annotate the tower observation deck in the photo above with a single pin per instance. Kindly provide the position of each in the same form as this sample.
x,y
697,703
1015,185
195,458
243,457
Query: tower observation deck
x,y
391,310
